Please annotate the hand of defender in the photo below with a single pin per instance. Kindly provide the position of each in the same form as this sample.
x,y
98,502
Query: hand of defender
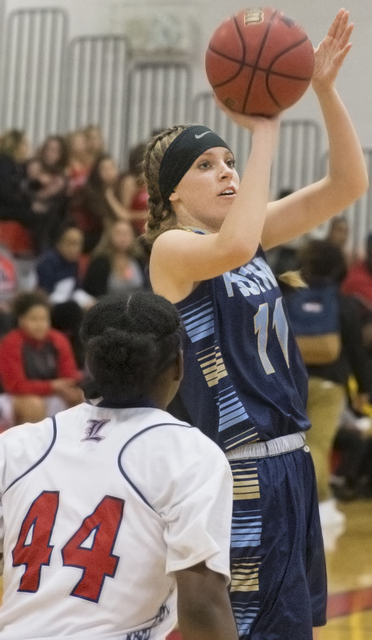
x,y
331,52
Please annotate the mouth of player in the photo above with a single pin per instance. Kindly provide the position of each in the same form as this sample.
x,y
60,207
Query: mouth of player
x,y
227,193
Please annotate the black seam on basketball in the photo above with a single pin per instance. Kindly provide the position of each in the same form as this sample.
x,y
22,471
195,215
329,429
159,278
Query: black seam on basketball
x,y
267,78
220,84
263,42
239,62
278,74
242,41
255,66
293,46
270,93
247,64
268,73
285,75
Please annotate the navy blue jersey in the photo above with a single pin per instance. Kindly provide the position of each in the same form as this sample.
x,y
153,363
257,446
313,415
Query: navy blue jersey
x,y
244,377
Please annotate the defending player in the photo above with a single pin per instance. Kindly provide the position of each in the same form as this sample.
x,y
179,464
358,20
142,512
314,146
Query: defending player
x,y
245,384
107,507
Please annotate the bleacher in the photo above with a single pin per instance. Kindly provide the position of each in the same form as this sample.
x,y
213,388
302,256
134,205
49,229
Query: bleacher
x,y
51,83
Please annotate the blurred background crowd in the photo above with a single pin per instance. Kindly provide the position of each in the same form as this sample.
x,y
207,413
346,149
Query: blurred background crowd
x,y
70,232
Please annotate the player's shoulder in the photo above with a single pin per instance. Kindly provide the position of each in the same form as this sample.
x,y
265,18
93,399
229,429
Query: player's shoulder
x,y
21,447
26,432
178,440
172,240
170,459
34,436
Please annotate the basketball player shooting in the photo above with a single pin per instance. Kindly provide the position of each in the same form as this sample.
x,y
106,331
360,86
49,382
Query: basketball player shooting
x,y
245,384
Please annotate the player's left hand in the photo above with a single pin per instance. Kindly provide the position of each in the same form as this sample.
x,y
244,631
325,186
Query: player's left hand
x,y
331,52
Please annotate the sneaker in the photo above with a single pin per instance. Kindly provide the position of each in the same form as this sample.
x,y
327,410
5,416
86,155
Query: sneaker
x,y
331,536
329,514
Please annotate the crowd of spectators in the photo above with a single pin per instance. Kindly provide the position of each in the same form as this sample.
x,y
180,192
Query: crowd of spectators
x,y
340,392
83,219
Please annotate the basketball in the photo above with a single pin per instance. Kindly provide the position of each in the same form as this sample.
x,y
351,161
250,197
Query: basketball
x,y
259,62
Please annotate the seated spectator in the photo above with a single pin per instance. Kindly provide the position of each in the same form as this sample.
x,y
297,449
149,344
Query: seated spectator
x,y
37,366
57,273
330,357
95,142
96,205
79,162
115,267
338,233
47,193
352,475
132,190
8,289
358,283
15,204
54,155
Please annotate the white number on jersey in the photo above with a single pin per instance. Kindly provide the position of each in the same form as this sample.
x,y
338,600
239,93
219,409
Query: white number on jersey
x,y
261,324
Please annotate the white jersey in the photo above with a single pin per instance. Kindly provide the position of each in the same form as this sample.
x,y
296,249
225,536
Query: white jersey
x,y
99,508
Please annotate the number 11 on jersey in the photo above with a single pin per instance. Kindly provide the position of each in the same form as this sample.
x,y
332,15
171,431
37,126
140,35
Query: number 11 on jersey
x,y
261,327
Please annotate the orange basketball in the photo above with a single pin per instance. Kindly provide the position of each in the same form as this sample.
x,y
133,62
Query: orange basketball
x,y
259,62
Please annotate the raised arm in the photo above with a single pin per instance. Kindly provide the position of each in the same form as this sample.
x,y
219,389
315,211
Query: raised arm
x,y
347,178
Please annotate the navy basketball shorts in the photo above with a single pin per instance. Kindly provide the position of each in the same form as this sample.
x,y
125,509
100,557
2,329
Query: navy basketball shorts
x,y
278,577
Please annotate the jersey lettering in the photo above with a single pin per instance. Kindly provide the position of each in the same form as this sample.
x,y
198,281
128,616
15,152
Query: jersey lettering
x,y
33,548
253,279
90,548
261,325
97,560
92,431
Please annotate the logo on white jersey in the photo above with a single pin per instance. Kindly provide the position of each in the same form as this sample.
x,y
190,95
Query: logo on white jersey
x,y
92,431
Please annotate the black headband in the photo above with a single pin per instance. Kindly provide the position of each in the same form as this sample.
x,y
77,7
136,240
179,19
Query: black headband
x,y
182,153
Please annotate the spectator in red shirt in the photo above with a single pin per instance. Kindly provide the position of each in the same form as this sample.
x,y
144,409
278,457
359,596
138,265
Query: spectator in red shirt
x,y
37,366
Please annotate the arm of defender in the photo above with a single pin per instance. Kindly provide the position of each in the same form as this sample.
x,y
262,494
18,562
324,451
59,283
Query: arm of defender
x,y
204,610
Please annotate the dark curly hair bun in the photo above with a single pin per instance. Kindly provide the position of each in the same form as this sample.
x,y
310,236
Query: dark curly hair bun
x,y
129,342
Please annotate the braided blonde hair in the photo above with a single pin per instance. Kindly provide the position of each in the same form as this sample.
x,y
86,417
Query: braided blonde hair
x,y
161,216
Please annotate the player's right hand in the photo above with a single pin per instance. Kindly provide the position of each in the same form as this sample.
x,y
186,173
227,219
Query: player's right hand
x,y
250,122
